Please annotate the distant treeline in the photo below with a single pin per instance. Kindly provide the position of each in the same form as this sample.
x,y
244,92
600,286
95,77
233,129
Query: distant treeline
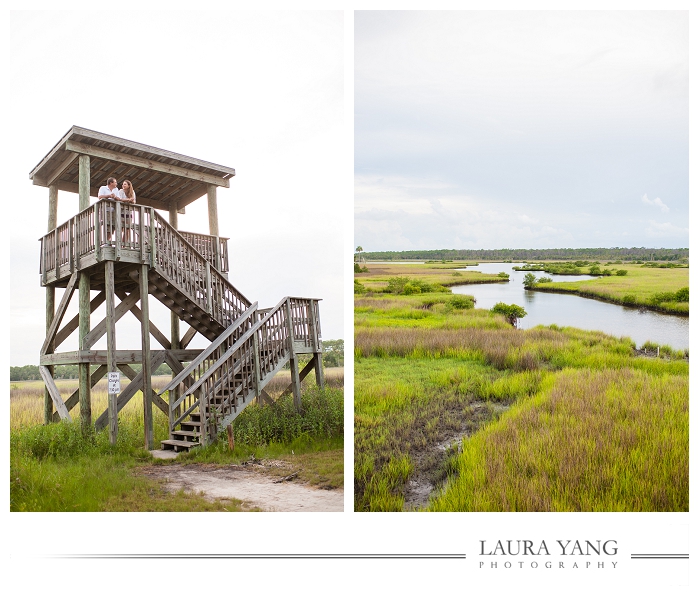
x,y
614,253
333,356
31,372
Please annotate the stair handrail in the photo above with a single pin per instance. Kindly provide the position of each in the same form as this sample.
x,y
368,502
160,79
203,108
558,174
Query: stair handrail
x,y
256,326
212,272
207,352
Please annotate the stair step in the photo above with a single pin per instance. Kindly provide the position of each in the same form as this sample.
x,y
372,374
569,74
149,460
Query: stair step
x,y
186,433
178,445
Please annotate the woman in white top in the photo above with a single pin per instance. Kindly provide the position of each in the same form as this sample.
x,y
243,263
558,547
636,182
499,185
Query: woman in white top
x,y
127,195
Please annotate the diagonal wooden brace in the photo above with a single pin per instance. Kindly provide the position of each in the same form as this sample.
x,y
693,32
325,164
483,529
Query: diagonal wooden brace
x,y
304,372
157,400
130,390
154,331
75,396
54,393
60,312
101,328
73,324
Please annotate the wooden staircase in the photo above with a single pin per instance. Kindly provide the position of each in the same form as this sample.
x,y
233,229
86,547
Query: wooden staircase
x,y
186,274
216,387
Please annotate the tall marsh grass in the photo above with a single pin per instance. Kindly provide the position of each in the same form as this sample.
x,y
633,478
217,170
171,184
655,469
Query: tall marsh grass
x,y
591,424
591,441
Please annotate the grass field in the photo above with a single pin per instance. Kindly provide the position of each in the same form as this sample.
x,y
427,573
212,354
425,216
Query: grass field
x,y
637,288
444,274
455,410
55,468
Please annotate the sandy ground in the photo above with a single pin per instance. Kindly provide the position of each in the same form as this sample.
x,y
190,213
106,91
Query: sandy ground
x,y
250,486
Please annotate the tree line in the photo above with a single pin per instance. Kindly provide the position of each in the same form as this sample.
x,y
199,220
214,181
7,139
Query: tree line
x,y
333,356
613,253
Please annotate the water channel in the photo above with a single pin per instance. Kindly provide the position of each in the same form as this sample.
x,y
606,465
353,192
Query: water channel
x,y
571,310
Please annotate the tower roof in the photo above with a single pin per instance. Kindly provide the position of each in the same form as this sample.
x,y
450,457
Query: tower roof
x,y
160,178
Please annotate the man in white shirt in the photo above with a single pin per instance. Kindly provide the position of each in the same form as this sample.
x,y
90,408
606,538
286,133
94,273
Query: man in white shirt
x,y
108,192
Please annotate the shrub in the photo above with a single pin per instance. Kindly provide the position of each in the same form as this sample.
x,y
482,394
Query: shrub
x,y
504,276
662,297
411,288
628,299
397,284
529,281
321,416
682,295
359,288
595,270
358,269
511,312
543,280
622,272
462,301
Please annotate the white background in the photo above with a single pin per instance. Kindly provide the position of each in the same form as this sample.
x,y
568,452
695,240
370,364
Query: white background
x,y
26,537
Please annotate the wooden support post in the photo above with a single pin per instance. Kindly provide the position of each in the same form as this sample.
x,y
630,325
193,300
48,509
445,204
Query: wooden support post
x,y
317,345
83,182
231,438
50,300
152,237
111,349
142,232
174,394
209,297
295,381
118,231
84,306
256,361
217,253
50,309
213,209
293,360
146,364
84,368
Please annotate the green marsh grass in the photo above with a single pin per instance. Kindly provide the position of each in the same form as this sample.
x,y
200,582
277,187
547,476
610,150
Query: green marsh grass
x,y
379,275
644,284
56,468
583,400
589,441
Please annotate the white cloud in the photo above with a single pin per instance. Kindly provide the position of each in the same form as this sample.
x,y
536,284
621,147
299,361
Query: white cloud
x,y
657,201
665,229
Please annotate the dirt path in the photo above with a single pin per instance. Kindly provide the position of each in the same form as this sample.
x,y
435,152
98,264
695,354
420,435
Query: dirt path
x,y
253,487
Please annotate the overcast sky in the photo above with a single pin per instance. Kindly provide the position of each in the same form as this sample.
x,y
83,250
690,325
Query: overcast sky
x,y
521,129
260,92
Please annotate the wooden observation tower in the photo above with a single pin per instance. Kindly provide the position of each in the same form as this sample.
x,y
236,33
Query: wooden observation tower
x,y
131,252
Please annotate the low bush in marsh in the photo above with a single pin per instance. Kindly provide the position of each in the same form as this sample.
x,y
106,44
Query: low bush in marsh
x,y
321,417
461,301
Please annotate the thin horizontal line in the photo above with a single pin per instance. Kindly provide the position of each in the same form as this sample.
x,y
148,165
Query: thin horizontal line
x,y
659,556
213,556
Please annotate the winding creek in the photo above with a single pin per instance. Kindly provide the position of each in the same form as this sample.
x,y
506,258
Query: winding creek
x,y
571,310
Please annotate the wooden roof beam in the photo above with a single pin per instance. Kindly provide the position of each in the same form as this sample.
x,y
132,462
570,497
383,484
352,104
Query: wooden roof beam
x,y
132,160
72,187
57,172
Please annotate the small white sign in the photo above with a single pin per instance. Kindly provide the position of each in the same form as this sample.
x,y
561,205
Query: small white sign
x,y
113,382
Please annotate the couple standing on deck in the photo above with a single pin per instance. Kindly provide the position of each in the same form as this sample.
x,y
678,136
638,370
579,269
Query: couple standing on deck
x,y
126,193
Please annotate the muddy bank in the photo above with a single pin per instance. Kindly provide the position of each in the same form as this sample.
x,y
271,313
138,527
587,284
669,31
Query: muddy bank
x,y
431,464
253,487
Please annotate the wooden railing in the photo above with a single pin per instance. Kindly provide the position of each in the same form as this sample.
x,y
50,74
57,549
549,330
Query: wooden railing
x,y
138,233
213,248
221,381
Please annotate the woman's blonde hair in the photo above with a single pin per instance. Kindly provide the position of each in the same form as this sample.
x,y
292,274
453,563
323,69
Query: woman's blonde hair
x,y
130,191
